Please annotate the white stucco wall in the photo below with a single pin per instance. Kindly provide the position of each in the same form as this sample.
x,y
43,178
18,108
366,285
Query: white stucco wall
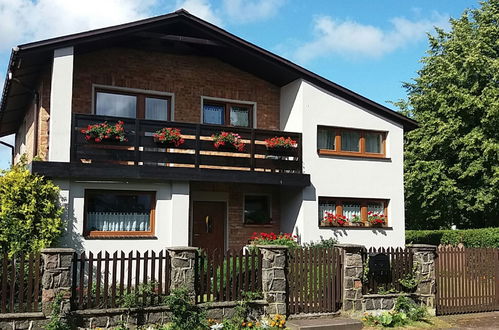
x,y
61,96
171,216
339,176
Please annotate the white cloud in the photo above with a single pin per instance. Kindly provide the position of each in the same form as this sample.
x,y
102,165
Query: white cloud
x,y
201,9
245,11
25,20
353,39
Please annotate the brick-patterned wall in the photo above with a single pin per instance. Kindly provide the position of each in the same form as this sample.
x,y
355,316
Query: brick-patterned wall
x,y
188,77
239,233
25,136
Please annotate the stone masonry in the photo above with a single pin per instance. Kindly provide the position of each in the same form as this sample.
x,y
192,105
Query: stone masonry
x,y
274,277
56,279
352,276
424,264
183,260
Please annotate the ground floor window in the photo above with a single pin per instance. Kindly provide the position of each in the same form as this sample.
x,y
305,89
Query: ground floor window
x,y
119,213
257,209
335,211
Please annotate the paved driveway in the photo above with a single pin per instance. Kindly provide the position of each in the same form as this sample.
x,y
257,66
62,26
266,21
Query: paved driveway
x,y
473,321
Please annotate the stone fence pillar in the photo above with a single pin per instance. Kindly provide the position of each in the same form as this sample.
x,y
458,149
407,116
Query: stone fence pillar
x,y
182,271
353,269
56,279
274,277
424,265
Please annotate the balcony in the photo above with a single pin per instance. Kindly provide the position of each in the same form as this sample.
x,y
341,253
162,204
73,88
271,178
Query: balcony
x,y
197,159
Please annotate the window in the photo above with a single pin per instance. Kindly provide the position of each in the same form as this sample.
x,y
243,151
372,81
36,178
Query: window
x,y
354,209
132,105
350,142
257,210
228,114
119,213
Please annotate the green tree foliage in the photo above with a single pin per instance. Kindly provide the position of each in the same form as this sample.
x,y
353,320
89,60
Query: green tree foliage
x,y
452,160
30,212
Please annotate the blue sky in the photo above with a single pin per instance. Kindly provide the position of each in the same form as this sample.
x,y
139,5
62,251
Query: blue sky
x,y
370,47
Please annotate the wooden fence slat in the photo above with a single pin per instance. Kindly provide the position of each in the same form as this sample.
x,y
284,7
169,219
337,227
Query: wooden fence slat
x,y
137,275
81,286
90,300
160,274
113,278
227,275
12,282
122,273
105,298
144,276
4,282
21,283
29,295
98,279
153,278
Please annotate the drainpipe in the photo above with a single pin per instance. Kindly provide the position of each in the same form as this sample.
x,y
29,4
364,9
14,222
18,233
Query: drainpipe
x,y
11,151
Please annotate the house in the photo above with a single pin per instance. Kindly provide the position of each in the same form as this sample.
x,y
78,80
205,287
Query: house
x,y
127,190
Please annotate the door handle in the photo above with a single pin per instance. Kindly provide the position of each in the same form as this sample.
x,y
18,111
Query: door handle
x,y
208,224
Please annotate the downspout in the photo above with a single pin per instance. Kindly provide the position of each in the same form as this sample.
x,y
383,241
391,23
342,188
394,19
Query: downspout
x,y
36,124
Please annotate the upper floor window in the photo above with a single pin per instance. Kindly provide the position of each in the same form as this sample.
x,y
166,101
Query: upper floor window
x,y
228,114
350,142
132,105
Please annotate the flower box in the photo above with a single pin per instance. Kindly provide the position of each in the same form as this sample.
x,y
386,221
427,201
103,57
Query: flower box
x,y
228,141
168,137
103,132
376,219
281,146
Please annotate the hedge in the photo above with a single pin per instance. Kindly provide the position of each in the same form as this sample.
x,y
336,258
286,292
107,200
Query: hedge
x,y
484,237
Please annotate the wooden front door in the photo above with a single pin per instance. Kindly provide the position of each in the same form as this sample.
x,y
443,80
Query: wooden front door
x,y
208,226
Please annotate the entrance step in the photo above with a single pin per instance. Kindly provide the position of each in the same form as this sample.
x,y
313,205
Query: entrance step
x,y
325,324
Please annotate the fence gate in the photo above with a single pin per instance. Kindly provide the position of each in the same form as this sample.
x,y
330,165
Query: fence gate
x,y
467,280
314,280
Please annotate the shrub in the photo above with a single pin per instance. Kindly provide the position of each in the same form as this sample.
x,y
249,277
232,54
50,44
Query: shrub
x,y
30,212
405,312
185,314
322,244
484,237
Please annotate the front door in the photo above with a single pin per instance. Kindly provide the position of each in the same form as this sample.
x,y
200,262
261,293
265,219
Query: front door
x,y
209,225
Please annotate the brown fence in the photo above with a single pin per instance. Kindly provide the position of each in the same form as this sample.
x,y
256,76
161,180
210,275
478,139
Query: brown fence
x,y
386,267
314,280
20,283
226,276
467,280
105,281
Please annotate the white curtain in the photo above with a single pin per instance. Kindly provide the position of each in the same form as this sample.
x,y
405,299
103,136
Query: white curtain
x,y
373,142
114,221
350,210
213,114
376,208
326,207
239,116
156,109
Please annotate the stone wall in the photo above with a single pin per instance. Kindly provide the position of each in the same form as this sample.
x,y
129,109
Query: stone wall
x,y
352,276
274,278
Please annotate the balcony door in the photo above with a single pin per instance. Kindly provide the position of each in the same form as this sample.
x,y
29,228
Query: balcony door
x,y
208,225
124,104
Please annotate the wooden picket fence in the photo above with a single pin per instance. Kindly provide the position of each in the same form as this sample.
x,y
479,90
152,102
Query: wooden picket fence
x,y
103,281
20,283
386,267
467,280
314,280
226,276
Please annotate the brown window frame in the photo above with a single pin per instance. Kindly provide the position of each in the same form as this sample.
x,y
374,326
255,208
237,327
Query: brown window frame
x,y
118,234
362,143
140,111
339,201
227,106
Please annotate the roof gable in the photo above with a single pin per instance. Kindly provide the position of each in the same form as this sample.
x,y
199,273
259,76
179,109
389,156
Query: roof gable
x,y
175,32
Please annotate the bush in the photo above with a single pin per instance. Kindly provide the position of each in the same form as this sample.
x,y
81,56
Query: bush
x,y
30,212
405,312
322,244
484,237
185,314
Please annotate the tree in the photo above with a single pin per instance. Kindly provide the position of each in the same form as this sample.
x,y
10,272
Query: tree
x,y
452,160
30,212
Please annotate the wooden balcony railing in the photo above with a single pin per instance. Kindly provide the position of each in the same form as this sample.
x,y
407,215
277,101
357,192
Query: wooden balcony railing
x,y
198,151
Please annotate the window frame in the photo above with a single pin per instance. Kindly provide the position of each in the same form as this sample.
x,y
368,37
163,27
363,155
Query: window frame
x,y
269,199
339,201
227,104
362,143
119,234
140,110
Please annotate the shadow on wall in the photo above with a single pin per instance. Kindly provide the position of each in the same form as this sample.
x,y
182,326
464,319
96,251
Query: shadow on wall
x,y
71,237
343,232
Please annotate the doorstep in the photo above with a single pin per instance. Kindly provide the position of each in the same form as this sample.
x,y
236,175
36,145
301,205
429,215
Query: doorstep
x,y
325,324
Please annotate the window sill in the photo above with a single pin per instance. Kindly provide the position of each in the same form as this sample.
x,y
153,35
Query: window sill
x,y
356,227
251,225
354,155
117,236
